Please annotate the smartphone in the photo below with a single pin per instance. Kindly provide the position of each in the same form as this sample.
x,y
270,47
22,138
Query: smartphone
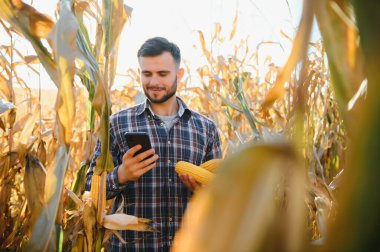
x,y
135,138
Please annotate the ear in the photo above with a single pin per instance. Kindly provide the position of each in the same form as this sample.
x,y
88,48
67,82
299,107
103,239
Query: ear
x,y
180,73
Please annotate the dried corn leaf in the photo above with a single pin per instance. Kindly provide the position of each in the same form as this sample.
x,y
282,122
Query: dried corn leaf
x,y
31,59
63,38
44,228
204,48
340,38
299,50
117,234
14,159
89,223
234,25
20,24
41,152
26,132
75,198
37,23
5,89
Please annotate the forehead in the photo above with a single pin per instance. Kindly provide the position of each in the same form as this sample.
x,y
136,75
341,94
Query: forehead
x,y
164,61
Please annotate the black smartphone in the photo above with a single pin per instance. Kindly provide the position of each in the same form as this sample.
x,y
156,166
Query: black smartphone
x,y
135,138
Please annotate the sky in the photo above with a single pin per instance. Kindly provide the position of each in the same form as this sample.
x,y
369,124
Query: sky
x,y
179,21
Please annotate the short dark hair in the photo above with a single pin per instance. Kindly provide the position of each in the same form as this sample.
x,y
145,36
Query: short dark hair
x,y
156,46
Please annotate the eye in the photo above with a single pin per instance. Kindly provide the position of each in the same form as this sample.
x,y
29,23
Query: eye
x,y
147,74
163,74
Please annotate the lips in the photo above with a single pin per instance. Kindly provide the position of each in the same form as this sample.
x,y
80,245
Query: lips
x,y
156,89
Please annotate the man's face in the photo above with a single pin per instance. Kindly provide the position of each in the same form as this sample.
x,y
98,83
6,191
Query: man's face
x,y
159,76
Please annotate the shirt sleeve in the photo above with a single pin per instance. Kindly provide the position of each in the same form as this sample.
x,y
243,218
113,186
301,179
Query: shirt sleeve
x,y
213,147
113,187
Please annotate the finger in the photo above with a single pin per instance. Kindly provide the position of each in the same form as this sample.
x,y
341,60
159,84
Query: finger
x,y
185,179
131,152
145,169
149,161
193,182
140,157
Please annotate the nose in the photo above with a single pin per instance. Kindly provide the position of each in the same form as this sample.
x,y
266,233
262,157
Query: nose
x,y
154,80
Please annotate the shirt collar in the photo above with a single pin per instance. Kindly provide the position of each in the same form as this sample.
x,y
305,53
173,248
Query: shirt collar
x,y
145,106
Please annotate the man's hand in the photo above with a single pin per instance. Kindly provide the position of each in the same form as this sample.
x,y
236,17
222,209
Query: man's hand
x,y
189,182
132,168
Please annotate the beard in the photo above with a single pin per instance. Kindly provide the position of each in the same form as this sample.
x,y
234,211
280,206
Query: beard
x,y
170,93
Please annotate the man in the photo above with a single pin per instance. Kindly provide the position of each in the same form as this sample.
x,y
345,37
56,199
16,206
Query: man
x,y
151,188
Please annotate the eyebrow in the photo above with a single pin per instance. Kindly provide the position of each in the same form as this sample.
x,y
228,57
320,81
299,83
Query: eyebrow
x,y
159,72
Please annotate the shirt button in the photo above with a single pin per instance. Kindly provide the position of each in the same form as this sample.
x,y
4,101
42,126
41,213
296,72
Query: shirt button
x,y
170,219
170,237
169,142
170,180
169,161
162,124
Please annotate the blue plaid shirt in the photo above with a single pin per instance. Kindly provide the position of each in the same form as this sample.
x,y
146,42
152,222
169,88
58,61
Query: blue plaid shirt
x,y
159,194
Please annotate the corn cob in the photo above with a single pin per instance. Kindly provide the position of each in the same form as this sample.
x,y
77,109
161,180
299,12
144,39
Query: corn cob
x,y
119,221
127,222
201,175
212,165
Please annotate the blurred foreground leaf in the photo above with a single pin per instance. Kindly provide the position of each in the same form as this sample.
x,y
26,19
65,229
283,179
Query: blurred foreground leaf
x,y
255,203
358,222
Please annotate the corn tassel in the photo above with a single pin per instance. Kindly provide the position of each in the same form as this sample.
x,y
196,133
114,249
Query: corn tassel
x,y
212,165
201,175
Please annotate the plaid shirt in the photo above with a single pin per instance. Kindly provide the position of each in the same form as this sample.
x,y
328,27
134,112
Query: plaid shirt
x,y
159,194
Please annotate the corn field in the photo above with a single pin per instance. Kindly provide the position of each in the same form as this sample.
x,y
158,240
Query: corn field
x,y
300,142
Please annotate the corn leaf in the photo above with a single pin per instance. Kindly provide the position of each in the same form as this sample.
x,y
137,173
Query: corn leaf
x,y
299,49
10,11
340,38
43,230
4,88
356,227
63,38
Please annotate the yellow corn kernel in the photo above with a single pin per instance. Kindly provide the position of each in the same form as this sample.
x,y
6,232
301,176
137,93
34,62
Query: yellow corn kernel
x,y
212,165
201,175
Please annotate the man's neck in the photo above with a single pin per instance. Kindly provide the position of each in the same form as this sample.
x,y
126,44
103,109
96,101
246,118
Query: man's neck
x,y
168,108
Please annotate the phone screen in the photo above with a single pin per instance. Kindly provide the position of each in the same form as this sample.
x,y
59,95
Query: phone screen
x,y
135,138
